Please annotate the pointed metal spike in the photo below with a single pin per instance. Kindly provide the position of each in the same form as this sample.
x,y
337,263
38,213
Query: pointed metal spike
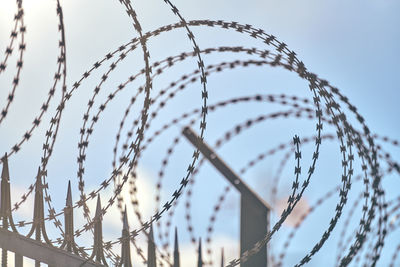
x,y
151,234
125,248
151,249
98,207
200,259
176,240
38,194
38,225
39,177
222,258
98,253
68,201
39,183
5,197
69,243
125,221
176,250
5,172
5,206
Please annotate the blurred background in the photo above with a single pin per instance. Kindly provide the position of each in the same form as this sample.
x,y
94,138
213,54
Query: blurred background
x,y
352,44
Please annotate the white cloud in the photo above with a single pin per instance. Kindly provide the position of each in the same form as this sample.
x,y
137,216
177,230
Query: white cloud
x,y
295,216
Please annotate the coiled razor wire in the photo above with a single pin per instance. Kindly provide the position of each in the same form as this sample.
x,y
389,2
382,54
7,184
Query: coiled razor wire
x,y
326,105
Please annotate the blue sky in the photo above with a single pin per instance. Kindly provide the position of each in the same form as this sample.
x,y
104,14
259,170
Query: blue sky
x,y
352,44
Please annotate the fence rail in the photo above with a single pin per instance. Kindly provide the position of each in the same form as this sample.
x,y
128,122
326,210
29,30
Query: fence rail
x,y
39,251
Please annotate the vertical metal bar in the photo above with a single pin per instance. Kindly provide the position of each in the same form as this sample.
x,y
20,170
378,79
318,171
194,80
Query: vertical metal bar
x,y
4,258
19,260
254,225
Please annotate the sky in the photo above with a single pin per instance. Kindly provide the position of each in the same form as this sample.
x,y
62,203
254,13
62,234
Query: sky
x,y
351,44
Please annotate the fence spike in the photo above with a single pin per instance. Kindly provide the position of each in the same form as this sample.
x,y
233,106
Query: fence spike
x,y
68,201
5,199
98,208
5,191
151,249
5,205
37,208
125,221
98,253
222,257
38,225
125,246
200,259
5,173
176,250
69,242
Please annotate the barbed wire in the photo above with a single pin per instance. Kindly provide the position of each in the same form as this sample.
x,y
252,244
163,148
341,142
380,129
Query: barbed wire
x,y
322,107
